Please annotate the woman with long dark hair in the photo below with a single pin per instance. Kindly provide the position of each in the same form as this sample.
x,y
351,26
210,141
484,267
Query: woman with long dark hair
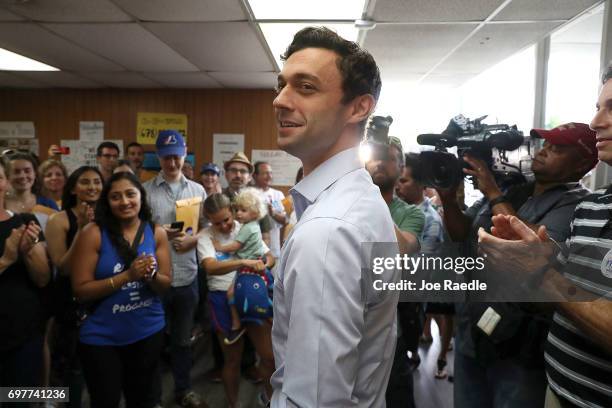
x,y
119,267
24,269
81,192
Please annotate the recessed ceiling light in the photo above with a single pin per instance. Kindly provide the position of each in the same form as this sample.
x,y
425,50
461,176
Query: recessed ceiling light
x,y
279,35
325,10
9,61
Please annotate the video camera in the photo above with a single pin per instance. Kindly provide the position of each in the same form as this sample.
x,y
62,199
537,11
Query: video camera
x,y
441,169
377,137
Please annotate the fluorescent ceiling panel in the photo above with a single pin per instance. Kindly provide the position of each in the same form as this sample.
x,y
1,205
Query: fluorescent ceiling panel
x,y
9,61
279,35
311,10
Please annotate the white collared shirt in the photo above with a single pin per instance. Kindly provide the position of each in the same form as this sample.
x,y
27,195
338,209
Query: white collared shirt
x,y
333,335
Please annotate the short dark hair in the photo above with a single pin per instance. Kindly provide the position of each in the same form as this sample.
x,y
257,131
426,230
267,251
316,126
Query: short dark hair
x,y
607,75
106,145
256,166
360,74
134,144
413,161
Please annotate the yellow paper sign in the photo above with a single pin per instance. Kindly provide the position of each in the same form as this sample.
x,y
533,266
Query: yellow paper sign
x,y
148,125
188,211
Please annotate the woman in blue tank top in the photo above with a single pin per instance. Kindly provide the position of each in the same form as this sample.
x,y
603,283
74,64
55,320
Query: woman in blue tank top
x,y
120,281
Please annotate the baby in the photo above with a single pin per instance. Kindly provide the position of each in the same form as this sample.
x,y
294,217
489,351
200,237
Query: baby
x,y
249,209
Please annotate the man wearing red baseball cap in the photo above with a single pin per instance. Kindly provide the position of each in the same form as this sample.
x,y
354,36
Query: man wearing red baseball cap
x,y
481,374
571,134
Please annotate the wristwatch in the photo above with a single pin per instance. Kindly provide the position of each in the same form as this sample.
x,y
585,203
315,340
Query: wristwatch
x,y
501,199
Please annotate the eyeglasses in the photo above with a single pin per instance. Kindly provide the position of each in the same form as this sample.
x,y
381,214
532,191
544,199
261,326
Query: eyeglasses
x,y
234,170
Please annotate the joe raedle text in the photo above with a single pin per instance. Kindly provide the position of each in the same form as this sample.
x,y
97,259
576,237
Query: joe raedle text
x,y
446,285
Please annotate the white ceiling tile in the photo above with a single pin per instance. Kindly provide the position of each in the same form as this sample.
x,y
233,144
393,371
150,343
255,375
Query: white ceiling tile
x,y
258,80
434,10
9,80
404,49
121,79
446,80
33,41
6,15
183,79
70,10
215,46
543,9
587,29
184,10
504,40
59,79
313,10
127,44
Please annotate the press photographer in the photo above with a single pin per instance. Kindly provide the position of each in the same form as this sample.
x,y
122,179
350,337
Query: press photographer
x,y
507,364
385,164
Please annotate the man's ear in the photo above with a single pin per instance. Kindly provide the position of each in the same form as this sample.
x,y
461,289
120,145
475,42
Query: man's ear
x,y
584,166
361,108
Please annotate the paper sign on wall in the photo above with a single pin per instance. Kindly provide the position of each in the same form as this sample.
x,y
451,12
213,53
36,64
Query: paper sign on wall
x,y
284,166
148,125
83,153
30,145
225,145
17,130
91,131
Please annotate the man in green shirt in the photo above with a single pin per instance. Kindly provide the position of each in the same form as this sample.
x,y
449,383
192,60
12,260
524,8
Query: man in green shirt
x,y
385,169
409,219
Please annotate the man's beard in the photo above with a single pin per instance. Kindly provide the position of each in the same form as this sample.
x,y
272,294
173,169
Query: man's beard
x,y
385,184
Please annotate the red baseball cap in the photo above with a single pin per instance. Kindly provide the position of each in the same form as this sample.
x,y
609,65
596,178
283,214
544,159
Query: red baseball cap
x,y
575,134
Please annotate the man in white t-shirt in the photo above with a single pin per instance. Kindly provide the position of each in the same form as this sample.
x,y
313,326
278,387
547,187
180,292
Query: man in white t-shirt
x,y
262,175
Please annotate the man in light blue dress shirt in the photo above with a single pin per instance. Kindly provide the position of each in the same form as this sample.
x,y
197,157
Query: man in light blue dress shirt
x,y
333,334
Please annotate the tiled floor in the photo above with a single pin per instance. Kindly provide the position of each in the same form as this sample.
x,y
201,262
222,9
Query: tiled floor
x,y
429,392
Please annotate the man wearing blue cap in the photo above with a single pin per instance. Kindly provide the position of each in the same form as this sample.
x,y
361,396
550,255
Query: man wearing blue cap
x,y
181,301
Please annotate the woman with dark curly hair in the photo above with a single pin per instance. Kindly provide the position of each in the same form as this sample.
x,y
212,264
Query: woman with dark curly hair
x,y
120,266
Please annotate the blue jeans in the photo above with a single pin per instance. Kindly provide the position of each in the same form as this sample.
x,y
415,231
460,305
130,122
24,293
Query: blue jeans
x,y
504,383
180,304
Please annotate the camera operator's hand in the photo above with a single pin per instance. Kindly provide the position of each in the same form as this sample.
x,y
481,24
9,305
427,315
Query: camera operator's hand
x,y
484,178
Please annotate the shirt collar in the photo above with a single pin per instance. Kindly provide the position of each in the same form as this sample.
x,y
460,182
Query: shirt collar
x,y
159,179
327,173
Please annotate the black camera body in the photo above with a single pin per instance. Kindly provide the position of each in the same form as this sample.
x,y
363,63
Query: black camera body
x,y
442,169
377,136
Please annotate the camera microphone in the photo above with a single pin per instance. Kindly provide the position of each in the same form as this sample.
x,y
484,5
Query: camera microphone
x,y
432,139
509,141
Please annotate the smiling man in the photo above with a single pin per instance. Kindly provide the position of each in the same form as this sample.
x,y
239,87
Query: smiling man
x,y
333,335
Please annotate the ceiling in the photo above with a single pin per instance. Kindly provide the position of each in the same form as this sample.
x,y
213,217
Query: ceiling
x,y
219,43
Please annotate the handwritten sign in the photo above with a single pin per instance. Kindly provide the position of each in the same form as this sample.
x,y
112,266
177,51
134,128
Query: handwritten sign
x,y
148,125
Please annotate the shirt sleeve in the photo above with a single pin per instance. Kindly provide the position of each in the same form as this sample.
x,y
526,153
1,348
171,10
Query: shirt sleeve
x,y
205,246
322,287
413,221
245,233
432,237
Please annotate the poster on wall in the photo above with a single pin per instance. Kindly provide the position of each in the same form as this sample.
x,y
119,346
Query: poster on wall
x,y
83,153
91,131
29,145
225,145
17,130
148,125
284,166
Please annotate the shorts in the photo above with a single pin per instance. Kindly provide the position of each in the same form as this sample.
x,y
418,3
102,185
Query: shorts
x,y
220,314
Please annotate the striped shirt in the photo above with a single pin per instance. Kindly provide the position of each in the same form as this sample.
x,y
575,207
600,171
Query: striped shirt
x,y
578,370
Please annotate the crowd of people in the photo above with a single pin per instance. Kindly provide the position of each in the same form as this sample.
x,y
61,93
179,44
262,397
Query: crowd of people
x,y
98,279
